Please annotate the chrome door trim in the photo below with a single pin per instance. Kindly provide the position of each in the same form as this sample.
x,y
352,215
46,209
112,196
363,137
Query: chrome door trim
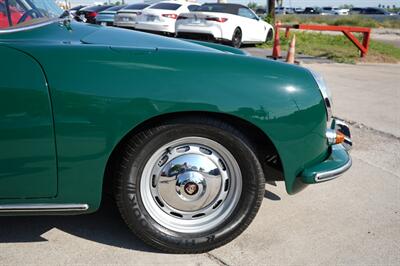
x,y
42,207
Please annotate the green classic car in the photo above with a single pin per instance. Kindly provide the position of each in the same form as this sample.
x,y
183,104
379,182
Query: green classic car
x,y
183,134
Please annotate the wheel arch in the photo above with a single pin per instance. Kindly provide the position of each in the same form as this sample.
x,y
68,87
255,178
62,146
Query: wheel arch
x,y
264,147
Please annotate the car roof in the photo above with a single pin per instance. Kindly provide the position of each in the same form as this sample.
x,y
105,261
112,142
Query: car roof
x,y
227,8
225,4
95,7
182,3
114,8
134,6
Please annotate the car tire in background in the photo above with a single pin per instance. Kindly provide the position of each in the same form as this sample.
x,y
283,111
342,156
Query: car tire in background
x,y
237,38
270,35
189,185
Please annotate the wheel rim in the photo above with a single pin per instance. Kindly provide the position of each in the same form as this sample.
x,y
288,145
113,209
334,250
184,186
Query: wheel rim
x,y
191,185
237,38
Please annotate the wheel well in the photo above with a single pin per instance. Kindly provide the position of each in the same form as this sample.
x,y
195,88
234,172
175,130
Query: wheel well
x,y
265,150
238,27
270,37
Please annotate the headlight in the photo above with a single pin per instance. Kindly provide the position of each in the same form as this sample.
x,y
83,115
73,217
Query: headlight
x,y
326,95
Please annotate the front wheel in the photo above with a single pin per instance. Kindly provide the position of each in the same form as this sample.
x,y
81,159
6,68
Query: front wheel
x,y
237,38
190,185
269,35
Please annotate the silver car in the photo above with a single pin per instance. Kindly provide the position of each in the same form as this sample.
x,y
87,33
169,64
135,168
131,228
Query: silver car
x,y
126,17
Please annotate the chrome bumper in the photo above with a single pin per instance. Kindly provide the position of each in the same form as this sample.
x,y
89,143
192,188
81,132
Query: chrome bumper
x,y
342,127
325,175
338,161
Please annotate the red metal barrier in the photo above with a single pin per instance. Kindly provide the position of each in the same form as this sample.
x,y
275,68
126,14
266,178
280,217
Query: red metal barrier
x,y
347,31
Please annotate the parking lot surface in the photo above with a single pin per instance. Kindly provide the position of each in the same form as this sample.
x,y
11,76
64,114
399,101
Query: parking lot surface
x,y
352,220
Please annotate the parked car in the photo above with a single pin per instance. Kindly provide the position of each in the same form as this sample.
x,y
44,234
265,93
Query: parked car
x,y
106,17
375,11
298,10
356,10
182,134
161,17
88,14
334,11
232,23
312,10
341,11
126,17
75,9
283,10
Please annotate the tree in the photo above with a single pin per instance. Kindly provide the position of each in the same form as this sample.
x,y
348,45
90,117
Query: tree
x,y
252,5
279,3
271,11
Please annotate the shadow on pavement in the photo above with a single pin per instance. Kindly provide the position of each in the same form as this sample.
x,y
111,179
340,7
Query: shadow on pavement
x,y
105,227
271,196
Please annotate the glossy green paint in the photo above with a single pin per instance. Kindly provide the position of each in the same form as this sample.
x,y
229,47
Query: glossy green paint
x,y
27,146
104,82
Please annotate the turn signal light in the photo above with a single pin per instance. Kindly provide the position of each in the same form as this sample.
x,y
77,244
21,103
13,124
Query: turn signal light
x,y
339,137
335,137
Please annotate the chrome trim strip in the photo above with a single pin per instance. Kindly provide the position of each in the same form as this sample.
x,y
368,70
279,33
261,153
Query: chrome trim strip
x,y
325,176
43,207
326,94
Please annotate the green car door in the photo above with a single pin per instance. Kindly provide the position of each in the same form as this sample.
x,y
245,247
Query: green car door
x,y
27,145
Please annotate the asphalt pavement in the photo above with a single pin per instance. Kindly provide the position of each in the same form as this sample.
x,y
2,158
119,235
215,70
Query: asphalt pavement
x,y
353,220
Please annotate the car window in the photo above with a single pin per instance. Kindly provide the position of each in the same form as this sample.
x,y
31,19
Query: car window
x,y
166,6
114,8
193,7
23,13
136,7
244,12
220,8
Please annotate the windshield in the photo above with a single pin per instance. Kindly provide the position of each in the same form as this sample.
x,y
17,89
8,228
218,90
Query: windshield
x,y
21,13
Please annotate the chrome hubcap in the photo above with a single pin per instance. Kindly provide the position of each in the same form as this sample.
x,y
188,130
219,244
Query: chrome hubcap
x,y
191,184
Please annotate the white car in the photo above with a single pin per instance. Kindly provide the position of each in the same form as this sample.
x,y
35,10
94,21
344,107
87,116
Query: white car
x,y
232,23
334,11
126,17
161,17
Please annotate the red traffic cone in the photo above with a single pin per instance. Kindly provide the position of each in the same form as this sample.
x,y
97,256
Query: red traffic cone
x,y
276,51
291,51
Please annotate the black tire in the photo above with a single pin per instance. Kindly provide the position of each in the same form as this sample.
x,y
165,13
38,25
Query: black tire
x,y
237,38
269,35
140,147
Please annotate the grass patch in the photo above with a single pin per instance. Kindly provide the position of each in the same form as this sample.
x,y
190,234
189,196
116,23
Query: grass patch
x,y
338,48
351,20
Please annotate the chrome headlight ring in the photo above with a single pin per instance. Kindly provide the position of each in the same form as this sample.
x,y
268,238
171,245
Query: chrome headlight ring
x,y
326,95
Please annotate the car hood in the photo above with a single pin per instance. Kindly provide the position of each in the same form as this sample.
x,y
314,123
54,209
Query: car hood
x,y
127,38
